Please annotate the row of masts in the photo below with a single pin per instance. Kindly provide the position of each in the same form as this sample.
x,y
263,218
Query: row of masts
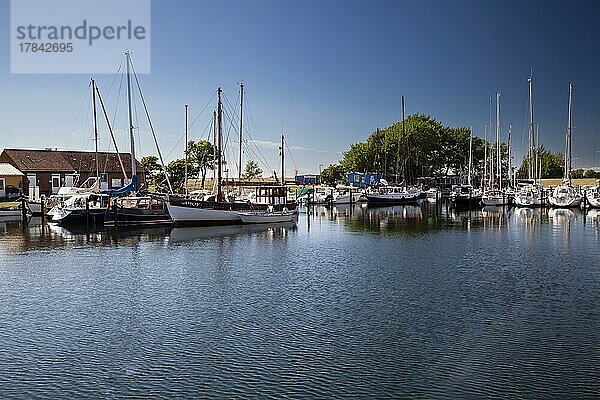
x,y
218,146
493,159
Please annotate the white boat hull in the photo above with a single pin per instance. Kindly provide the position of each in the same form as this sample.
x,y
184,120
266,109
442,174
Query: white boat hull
x,y
202,216
565,197
494,201
528,201
593,197
345,198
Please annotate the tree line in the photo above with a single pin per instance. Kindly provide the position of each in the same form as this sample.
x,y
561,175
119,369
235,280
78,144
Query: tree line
x,y
425,147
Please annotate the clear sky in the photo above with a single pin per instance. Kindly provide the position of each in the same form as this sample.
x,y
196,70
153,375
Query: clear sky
x,y
330,72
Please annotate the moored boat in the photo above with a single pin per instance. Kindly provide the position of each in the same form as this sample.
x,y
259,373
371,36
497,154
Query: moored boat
x,y
137,211
465,196
268,217
593,197
81,209
394,195
565,195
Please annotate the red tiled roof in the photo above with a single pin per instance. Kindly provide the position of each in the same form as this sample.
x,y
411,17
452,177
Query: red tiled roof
x,y
27,160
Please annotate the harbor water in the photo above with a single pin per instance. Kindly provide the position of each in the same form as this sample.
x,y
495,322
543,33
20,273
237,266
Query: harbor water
x,y
353,302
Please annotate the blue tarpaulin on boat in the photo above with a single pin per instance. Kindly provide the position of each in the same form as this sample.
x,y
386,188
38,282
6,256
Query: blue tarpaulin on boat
x,y
132,187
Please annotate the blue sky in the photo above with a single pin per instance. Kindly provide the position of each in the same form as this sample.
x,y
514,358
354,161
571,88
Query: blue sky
x,y
329,73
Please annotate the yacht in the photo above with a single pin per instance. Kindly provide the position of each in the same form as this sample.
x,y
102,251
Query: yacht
x,y
565,195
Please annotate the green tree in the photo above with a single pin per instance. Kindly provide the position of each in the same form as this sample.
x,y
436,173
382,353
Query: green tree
x,y
552,165
591,174
176,171
252,170
577,173
333,174
423,148
202,155
153,170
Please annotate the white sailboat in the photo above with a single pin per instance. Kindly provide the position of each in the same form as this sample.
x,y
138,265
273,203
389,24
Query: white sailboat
x,y
200,212
565,195
530,192
495,196
593,195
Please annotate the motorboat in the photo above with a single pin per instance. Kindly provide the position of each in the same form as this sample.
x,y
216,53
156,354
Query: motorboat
x,y
137,210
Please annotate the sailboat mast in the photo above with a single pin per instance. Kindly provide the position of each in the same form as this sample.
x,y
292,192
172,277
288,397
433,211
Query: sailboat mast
x,y
241,126
538,161
498,154
95,130
491,147
282,161
569,128
186,150
404,139
470,156
531,171
219,146
509,155
133,166
214,127
485,148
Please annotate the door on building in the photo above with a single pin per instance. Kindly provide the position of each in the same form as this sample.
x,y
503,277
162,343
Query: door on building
x,y
2,188
32,183
70,180
104,181
32,186
55,183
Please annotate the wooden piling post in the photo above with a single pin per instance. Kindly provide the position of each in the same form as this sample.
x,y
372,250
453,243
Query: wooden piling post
x,y
87,213
23,210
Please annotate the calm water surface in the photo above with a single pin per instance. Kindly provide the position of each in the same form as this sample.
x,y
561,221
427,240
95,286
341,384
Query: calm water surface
x,y
401,302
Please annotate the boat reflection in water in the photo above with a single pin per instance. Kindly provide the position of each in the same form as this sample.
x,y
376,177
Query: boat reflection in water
x,y
192,234
593,215
561,216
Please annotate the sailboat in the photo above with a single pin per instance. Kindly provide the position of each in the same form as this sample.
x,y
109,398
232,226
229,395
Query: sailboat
x,y
97,207
593,195
466,196
88,205
135,210
530,192
565,195
395,195
218,211
495,196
